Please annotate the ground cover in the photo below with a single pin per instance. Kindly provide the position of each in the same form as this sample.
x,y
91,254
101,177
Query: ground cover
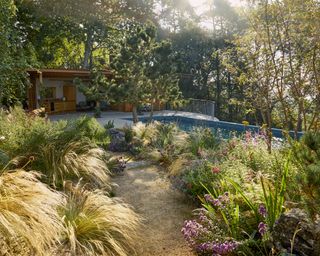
x,y
224,197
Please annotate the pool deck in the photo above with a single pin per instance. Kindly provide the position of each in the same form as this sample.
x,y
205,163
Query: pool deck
x,y
119,118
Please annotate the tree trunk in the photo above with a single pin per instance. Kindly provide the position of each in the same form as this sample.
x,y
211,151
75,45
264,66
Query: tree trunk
x,y
269,131
97,109
151,111
218,87
88,48
230,112
135,114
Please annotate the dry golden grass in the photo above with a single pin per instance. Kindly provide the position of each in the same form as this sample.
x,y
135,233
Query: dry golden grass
x,y
97,224
178,165
29,223
74,161
144,133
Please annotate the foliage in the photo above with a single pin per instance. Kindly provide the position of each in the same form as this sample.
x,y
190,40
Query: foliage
x,y
85,127
29,220
162,72
89,221
131,62
96,224
77,159
13,54
25,134
201,138
63,150
307,155
109,125
168,142
100,88
243,190
276,52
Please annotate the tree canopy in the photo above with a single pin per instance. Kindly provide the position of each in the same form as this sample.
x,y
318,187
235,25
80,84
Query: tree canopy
x,y
258,62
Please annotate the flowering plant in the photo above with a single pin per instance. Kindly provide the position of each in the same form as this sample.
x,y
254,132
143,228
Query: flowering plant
x,y
204,237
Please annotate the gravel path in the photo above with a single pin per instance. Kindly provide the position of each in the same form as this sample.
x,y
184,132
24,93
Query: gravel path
x,y
163,209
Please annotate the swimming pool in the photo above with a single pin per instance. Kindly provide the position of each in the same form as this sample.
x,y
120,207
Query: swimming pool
x,y
224,129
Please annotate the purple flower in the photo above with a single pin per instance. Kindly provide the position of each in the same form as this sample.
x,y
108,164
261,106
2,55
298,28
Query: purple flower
x,y
221,201
191,230
217,248
263,228
208,198
262,210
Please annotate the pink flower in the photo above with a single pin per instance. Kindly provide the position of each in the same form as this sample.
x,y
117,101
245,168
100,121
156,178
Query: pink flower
x,y
215,169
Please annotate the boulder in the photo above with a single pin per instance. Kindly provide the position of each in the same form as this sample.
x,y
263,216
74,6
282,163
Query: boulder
x,y
296,225
117,141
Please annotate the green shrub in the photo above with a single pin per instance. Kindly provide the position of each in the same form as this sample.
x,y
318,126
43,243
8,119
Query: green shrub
x,y
201,138
85,127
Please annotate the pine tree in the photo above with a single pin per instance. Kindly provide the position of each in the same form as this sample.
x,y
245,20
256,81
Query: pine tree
x,y
99,88
307,154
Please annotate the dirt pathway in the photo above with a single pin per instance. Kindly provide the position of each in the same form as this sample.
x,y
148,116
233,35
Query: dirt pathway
x,y
163,209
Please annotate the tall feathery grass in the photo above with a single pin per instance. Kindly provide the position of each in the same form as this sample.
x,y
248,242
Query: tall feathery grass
x,y
77,159
35,220
97,224
29,222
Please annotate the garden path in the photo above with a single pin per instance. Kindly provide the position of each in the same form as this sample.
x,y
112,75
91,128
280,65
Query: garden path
x,y
164,210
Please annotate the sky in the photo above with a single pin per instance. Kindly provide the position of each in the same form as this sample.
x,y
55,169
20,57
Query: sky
x,y
200,8
196,3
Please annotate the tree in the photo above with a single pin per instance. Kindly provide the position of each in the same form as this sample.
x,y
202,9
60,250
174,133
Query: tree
x,y
162,71
99,88
91,22
13,76
131,63
282,55
175,15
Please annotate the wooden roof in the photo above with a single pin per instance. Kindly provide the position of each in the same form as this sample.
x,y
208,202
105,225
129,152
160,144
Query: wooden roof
x,y
65,73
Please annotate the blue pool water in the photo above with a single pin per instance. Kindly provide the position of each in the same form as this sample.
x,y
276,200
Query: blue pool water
x,y
225,129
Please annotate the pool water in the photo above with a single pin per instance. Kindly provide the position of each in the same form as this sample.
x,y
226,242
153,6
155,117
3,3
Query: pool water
x,y
221,128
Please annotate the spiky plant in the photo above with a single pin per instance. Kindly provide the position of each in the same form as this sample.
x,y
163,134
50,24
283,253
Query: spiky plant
x,y
169,140
144,132
201,138
77,159
97,224
29,222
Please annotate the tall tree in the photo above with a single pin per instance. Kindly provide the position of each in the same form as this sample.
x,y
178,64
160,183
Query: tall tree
x,y
99,88
92,20
162,71
131,62
283,62
13,55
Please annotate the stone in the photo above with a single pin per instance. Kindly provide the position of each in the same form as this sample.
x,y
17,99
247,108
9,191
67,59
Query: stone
x,y
117,140
296,224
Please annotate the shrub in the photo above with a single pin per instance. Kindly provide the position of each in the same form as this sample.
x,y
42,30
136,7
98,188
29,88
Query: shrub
x,y
84,127
199,174
168,142
201,138
144,133
96,224
29,222
24,135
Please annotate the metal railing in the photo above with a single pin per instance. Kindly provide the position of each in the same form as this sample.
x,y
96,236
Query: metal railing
x,y
206,107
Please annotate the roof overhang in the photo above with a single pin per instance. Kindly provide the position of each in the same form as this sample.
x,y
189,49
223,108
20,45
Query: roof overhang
x,y
64,73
